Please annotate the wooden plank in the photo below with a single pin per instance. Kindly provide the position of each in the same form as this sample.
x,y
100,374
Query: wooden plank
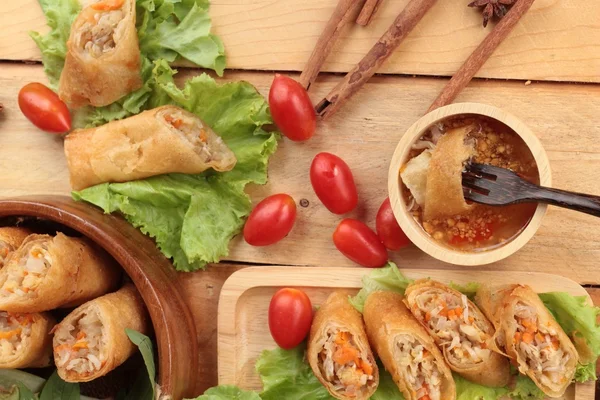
x,y
557,40
364,133
245,297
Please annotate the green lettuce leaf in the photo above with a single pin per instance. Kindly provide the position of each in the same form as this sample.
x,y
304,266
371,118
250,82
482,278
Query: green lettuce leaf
x,y
468,289
14,389
387,389
467,390
385,278
578,320
168,30
525,389
193,217
227,392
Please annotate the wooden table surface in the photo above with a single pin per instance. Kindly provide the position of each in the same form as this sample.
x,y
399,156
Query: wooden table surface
x,y
558,40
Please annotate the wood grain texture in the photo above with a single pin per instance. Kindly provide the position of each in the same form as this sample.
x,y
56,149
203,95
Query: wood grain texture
x,y
246,294
556,40
365,133
151,272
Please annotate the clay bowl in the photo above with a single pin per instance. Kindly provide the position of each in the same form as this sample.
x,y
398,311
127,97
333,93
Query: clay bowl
x,y
152,273
412,228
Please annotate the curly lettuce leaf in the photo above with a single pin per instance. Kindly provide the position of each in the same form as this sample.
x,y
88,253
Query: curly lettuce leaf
x,y
168,30
193,217
525,389
385,278
579,320
467,390
468,289
227,392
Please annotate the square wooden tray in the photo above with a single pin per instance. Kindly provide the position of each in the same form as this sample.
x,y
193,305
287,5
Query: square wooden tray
x,y
243,331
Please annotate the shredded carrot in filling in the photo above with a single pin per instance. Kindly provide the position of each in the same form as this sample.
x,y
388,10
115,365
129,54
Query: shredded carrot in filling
x,y
108,5
9,334
176,122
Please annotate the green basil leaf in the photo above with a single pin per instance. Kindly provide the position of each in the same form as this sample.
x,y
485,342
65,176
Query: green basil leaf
x,y
143,386
57,389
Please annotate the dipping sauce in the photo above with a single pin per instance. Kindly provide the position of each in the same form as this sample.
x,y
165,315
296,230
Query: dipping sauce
x,y
480,227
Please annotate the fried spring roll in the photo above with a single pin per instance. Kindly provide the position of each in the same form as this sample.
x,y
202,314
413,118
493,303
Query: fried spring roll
x,y
338,350
91,341
25,340
406,349
103,55
164,140
532,337
460,330
48,272
10,239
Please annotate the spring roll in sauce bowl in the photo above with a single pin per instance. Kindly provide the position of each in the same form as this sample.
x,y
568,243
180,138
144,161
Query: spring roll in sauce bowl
x,y
460,329
91,341
163,140
10,239
406,349
103,55
338,350
25,340
49,272
532,337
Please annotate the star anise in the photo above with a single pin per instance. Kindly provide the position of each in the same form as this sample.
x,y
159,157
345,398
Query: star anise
x,y
491,8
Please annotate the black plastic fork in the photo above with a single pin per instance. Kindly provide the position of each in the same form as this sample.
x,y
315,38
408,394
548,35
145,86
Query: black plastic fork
x,y
496,186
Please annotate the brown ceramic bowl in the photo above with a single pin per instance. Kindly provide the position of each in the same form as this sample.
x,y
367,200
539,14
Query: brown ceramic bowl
x,y
152,273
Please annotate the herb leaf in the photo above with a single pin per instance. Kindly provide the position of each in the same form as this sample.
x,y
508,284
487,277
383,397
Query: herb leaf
x,y
57,389
143,386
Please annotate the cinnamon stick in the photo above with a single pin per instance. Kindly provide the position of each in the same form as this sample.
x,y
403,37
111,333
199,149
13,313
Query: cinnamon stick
x,y
367,12
364,70
345,12
481,54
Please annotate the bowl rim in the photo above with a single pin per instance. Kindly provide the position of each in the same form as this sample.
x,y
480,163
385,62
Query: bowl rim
x,y
158,285
416,233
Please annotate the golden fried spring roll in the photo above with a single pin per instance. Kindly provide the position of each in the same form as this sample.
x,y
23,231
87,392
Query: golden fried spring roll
x,y
406,349
460,329
103,55
48,272
444,193
163,140
532,337
338,350
25,340
91,341
10,239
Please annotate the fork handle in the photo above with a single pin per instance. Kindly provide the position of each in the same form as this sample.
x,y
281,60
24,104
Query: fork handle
x,y
575,201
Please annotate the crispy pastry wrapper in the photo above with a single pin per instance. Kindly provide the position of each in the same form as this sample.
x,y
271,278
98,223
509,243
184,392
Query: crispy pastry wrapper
x,y
338,313
35,341
386,319
501,303
444,193
492,371
11,238
145,145
117,311
99,78
78,271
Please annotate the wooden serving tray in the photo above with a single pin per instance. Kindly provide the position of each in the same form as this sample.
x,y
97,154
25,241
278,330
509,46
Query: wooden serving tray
x,y
243,331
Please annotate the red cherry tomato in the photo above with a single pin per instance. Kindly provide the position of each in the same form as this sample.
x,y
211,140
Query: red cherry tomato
x,y
290,317
388,229
292,109
44,109
271,220
359,243
333,183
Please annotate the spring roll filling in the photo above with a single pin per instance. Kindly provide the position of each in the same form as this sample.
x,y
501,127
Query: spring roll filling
x,y
24,276
344,365
5,250
101,32
453,326
418,368
80,347
539,346
14,330
193,131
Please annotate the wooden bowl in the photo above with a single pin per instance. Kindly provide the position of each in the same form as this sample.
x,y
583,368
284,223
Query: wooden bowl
x,y
152,273
411,227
